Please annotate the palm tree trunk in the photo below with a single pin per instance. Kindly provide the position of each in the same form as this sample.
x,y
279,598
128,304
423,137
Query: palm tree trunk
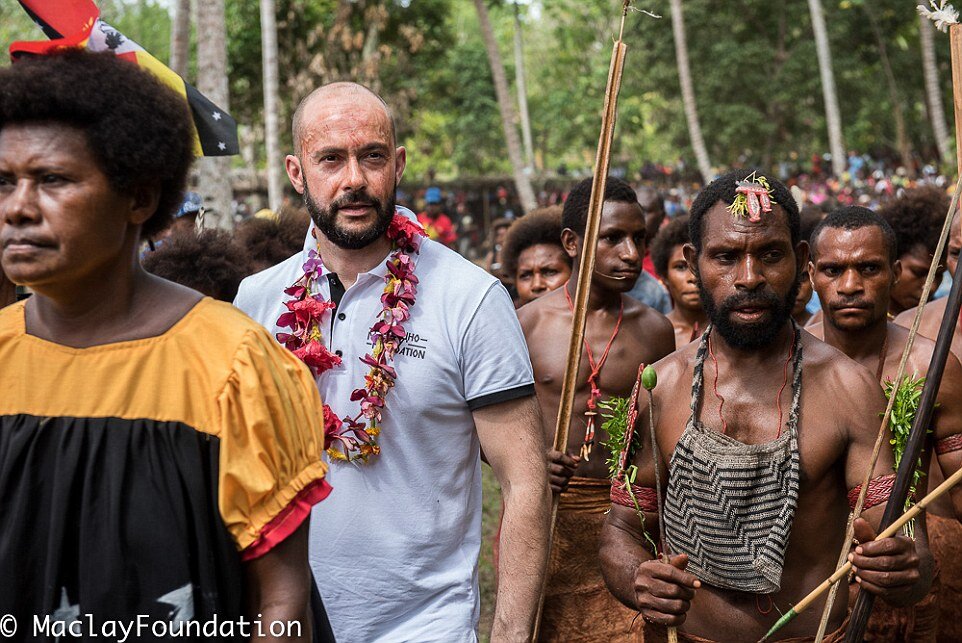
x,y
901,133
933,93
522,90
688,92
832,117
275,181
180,38
521,181
214,172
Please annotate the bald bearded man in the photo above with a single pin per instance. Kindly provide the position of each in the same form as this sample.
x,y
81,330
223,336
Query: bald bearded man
x,y
421,358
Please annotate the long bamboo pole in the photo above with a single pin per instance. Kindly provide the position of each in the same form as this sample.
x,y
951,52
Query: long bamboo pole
x,y
586,267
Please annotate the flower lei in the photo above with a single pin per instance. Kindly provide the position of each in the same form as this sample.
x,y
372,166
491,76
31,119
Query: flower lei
x,y
355,438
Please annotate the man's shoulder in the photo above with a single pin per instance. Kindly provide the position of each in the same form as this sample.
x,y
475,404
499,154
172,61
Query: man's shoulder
x,y
829,369
550,305
931,316
442,267
646,317
677,363
278,273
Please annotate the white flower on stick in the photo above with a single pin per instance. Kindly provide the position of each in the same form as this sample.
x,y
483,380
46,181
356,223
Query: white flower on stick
x,y
942,14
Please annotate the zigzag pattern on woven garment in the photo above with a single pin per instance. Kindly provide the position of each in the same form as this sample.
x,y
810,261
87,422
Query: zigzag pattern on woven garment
x,y
734,521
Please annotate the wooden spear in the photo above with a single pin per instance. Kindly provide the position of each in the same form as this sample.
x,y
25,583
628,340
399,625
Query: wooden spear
x,y
586,267
933,377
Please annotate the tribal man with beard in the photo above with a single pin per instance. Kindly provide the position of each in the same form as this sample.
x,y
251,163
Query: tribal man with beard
x,y
761,461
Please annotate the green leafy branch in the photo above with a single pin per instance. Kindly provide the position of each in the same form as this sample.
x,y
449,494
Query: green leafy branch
x,y
614,412
907,397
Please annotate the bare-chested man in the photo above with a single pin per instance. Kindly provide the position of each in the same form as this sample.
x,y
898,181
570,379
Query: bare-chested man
x,y
687,315
620,333
854,266
759,460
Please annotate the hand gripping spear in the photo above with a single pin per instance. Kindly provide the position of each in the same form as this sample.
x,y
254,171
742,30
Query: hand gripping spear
x,y
587,266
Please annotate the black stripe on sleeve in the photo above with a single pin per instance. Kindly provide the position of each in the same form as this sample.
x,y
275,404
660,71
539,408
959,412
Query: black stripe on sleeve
x,y
525,390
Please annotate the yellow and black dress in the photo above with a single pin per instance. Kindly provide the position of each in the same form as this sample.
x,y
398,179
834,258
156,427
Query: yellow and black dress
x,y
135,477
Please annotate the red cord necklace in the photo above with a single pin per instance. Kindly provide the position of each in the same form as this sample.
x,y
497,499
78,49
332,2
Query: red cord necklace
x,y
595,395
778,397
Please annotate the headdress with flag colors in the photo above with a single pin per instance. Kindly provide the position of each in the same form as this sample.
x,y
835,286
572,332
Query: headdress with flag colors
x,y
77,23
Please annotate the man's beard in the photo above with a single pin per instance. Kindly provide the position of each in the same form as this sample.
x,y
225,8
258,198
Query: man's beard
x,y
756,335
326,219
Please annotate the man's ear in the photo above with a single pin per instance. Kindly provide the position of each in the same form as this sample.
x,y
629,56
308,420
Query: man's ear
x,y
144,200
896,271
294,172
569,241
691,257
801,256
400,162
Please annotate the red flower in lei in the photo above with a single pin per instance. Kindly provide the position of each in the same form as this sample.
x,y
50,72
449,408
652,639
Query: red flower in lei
x,y
355,438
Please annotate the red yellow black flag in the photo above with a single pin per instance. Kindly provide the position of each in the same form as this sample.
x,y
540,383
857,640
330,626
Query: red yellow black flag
x,y
77,23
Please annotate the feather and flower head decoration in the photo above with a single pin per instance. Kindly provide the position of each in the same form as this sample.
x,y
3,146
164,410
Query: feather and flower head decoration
x,y
942,14
753,196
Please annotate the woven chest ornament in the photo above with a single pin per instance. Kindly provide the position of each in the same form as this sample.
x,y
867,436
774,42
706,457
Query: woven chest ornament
x,y
752,198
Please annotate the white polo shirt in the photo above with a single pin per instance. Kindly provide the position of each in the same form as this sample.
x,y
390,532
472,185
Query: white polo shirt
x,y
394,548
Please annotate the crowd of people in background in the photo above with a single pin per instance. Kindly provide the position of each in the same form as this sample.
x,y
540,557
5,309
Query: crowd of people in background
x,y
486,225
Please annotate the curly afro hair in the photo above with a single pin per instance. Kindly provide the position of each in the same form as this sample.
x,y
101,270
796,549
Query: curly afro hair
x,y
916,217
575,213
271,241
854,217
208,261
138,129
722,190
538,227
672,235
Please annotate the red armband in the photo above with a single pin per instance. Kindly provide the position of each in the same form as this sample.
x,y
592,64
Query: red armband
x,y
879,490
646,496
949,444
